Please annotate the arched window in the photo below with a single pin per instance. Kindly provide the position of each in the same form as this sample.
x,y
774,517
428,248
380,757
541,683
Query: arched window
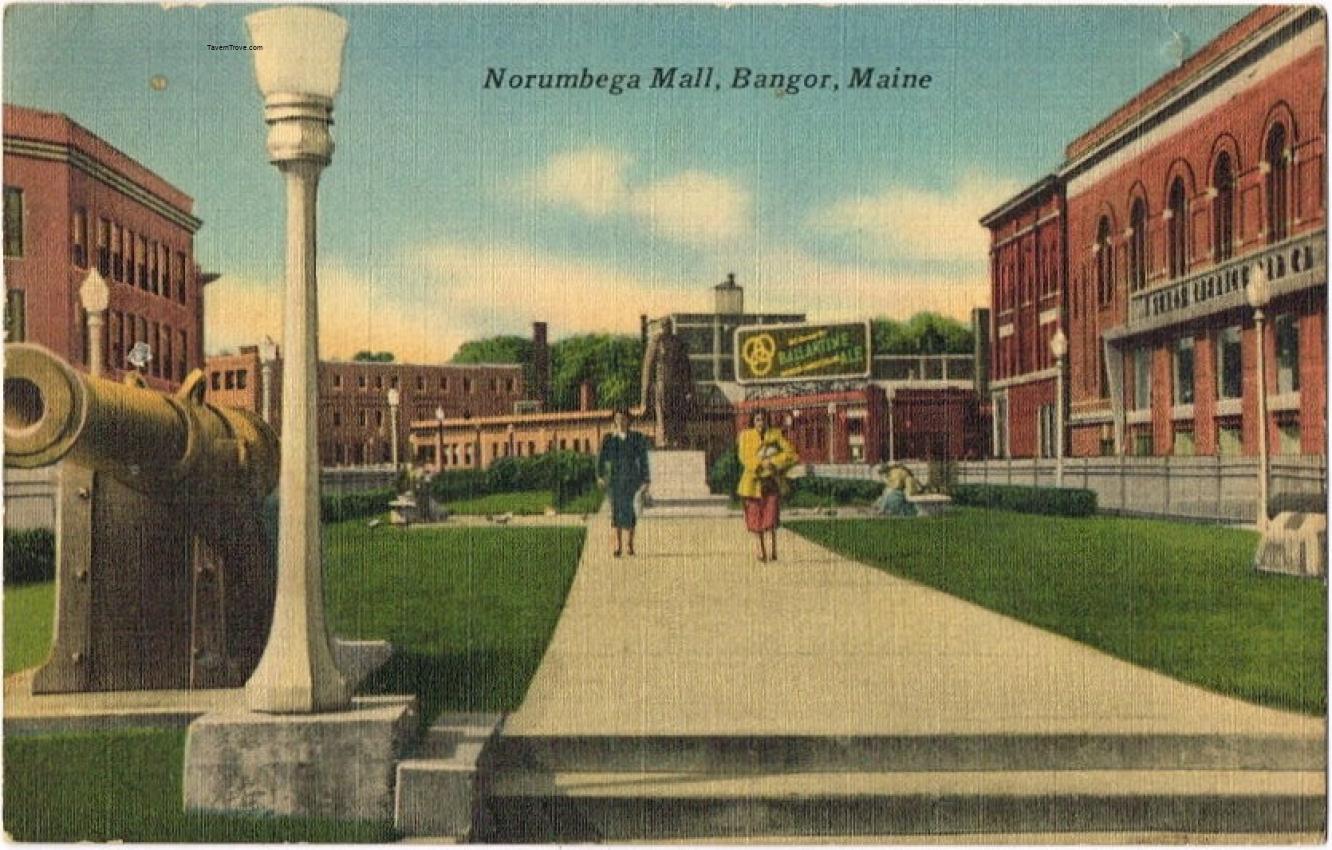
x,y
1276,184
1223,209
1105,269
1138,246
1177,227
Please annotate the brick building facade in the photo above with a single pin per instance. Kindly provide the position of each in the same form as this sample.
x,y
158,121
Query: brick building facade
x,y
1028,276
354,415
73,203
1169,207
1173,201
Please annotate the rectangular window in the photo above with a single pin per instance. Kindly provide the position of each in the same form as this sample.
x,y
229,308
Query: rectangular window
x,y
79,239
1287,331
127,248
1142,444
155,341
1103,389
217,380
1142,379
168,363
1229,440
117,255
183,354
1184,445
444,385
337,381
13,221
164,267
379,382
181,280
508,385
467,385
154,275
16,320
1288,438
104,247
360,381
1184,370
242,378
1229,380
141,262
337,418
361,418
420,383
379,419
494,386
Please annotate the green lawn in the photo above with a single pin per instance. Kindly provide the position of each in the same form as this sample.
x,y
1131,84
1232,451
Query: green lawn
x,y
1181,599
126,786
469,612
29,613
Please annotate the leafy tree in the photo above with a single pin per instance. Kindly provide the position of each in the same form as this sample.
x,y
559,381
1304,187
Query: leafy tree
x,y
923,333
373,357
495,349
612,363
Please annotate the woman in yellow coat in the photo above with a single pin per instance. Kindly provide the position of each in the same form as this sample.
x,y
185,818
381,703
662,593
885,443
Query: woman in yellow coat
x,y
766,456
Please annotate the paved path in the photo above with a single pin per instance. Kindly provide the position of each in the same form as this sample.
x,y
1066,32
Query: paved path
x,y
694,637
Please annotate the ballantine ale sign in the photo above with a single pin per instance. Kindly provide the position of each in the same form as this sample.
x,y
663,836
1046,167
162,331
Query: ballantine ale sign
x,y
801,352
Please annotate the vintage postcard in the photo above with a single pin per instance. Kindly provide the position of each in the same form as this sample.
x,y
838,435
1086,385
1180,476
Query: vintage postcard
x,y
665,423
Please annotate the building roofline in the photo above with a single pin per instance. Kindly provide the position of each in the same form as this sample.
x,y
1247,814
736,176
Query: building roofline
x,y
1049,181
1162,99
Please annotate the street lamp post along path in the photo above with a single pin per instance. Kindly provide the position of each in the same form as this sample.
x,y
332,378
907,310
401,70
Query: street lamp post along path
x,y
1059,348
1258,293
298,71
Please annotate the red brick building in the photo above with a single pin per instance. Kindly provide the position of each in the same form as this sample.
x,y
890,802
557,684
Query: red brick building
x,y
72,203
355,419
1028,277
1173,202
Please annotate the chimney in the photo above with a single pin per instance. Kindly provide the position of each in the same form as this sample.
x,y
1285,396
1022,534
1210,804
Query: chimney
x,y
587,396
540,389
730,298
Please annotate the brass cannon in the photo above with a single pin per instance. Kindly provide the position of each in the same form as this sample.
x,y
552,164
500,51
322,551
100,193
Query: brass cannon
x,y
164,572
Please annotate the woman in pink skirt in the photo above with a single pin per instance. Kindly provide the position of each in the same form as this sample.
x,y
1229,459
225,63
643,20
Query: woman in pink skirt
x,y
765,456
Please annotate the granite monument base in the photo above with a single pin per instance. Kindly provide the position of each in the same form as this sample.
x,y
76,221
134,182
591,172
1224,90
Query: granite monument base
x,y
339,765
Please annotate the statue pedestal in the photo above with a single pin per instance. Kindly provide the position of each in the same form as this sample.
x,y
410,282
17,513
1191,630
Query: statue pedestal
x,y
680,482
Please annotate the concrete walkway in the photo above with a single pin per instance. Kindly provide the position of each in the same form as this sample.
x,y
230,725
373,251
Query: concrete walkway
x,y
694,637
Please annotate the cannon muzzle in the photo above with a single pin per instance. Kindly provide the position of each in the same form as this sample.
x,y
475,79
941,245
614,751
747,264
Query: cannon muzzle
x,y
149,440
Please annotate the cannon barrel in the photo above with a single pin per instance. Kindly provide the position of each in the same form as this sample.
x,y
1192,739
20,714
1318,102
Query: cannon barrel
x,y
147,439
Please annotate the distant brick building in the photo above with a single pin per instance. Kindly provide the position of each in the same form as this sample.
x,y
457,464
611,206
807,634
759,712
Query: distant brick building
x,y
354,416
72,203
1027,287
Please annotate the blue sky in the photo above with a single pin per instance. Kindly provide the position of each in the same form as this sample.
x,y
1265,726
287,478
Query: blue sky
x,y
451,211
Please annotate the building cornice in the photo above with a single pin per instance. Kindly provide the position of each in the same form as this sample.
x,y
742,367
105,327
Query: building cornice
x,y
1223,68
76,158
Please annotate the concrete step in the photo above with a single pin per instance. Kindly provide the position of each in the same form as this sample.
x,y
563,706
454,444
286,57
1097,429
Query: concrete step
x,y
435,794
678,475
581,806
768,754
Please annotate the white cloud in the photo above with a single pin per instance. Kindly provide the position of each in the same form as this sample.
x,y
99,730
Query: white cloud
x,y
908,222
440,296
690,206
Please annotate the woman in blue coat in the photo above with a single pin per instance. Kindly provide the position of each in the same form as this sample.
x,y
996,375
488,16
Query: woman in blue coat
x,y
622,468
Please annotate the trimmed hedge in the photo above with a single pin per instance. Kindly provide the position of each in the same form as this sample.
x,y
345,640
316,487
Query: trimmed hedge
x,y
29,556
1304,503
1050,501
566,474
335,507
838,491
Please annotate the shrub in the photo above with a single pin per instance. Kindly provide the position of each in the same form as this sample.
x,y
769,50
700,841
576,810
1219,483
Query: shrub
x,y
724,476
29,556
1050,501
335,507
834,491
1304,503
566,474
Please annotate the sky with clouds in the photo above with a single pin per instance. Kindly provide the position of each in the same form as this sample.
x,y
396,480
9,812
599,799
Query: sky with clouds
x,y
452,211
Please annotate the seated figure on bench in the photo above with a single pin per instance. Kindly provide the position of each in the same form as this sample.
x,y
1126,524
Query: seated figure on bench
x,y
899,484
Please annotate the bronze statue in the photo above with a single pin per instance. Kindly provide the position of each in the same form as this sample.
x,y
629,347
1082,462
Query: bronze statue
x,y
668,386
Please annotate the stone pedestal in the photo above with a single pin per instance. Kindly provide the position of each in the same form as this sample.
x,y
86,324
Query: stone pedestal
x,y
678,476
1294,544
338,764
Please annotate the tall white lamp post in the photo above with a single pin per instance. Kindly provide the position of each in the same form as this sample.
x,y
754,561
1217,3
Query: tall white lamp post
x,y
1059,348
439,437
96,297
268,352
1259,293
393,399
298,71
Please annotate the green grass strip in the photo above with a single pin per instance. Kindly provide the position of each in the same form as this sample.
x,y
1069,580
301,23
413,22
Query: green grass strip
x,y
1180,599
